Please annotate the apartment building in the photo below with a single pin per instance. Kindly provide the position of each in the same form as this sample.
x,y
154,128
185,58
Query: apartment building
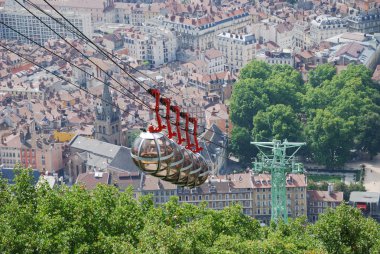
x,y
214,83
100,11
24,92
22,21
200,33
284,56
301,36
214,60
151,46
326,26
31,149
364,22
262,196
220,192
239,49
319,201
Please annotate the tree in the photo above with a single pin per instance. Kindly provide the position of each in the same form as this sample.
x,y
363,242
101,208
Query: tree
x,y
320,74
240,145
345,230
247,99
329,138
256,70
277,122
104,220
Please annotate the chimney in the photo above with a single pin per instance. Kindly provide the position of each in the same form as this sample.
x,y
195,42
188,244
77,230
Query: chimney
x,y
330,189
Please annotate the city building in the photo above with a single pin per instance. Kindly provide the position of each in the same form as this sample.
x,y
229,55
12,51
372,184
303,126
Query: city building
x,y
90,155
238,49
358,48
200,33
367,202
364,22
151,46
100,11
31,148
301,36
296,196
319,201
284,56
213,83
326,26
24,22
107,126
214,60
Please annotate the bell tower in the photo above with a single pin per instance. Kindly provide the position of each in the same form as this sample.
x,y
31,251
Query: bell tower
x,y
107,126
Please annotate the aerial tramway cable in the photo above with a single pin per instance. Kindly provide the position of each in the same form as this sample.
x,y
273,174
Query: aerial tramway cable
x,y
157,155
102,50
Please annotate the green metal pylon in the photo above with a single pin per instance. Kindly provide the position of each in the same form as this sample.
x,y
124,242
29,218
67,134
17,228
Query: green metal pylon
x,y
278,164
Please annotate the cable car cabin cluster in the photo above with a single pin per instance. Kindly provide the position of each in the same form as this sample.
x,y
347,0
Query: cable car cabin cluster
x,y
157,154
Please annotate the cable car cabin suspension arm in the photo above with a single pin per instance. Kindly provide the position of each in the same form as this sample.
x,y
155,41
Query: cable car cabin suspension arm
x,y
177,111
156,93
166,102
188,140
194,121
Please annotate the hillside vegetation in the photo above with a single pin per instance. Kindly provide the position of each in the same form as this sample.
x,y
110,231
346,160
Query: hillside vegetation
x,y
73,220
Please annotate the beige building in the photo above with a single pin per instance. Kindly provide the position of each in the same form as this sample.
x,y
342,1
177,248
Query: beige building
x,y
200,33
152,46
24,22
319,201
31,149
101,11
239,49
325,26
295,191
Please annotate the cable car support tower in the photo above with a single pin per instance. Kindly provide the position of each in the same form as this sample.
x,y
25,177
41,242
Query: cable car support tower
x,y
278,164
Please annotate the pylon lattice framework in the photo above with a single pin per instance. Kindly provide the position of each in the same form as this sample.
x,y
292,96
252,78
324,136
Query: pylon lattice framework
x,y
278,164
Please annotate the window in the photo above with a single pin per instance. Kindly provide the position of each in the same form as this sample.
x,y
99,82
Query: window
x,y
199,197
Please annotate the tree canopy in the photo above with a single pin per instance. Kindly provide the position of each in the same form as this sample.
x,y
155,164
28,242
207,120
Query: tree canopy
x,y
74,220
334,113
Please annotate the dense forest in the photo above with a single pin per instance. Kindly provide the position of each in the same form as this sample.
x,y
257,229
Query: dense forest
x,y
74,220
333,113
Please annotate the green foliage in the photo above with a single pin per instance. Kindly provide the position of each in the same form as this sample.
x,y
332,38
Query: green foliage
x,y
345,230
277,122
322,73
73,220
334,113
240,144
329,136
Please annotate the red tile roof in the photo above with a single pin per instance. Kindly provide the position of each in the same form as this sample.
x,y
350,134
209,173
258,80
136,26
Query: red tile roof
x,y
324,196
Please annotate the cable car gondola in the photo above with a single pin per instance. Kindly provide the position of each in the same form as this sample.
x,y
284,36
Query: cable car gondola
x,y
153,153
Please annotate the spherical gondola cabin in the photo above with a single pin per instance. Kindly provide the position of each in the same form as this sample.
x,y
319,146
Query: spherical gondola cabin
x,y
186,167
153,153
172,172
203,175
195,171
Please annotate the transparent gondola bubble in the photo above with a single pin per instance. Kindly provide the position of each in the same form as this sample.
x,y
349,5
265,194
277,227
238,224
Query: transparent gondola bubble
x,y
153,153
173,170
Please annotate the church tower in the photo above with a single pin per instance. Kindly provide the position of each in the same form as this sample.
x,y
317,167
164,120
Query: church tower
x,y
108,119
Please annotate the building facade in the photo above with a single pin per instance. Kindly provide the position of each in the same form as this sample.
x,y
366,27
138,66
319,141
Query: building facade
x,y
107,126
325,26
200,33
239,49
24,22
319,201
151,46
364,23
